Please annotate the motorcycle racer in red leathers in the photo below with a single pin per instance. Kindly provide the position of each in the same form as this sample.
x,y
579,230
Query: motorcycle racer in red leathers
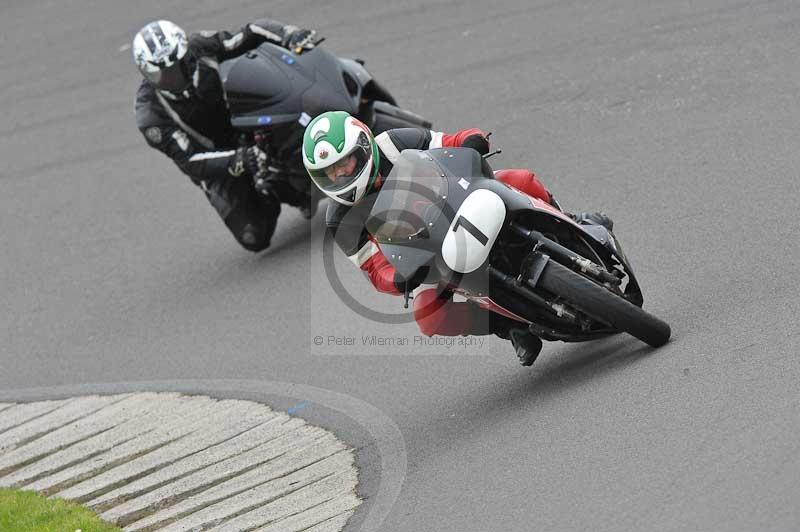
x,y
348,164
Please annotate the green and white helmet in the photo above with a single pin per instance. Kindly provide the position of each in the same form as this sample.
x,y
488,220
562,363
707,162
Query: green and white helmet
x,y
328,144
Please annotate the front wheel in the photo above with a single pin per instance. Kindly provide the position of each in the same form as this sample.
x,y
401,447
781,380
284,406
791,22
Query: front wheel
x,y
603,305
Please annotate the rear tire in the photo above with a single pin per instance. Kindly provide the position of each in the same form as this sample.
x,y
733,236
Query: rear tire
x,y
387,116
603,305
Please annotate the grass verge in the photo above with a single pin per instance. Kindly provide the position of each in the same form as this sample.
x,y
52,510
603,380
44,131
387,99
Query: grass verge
x,y
27,511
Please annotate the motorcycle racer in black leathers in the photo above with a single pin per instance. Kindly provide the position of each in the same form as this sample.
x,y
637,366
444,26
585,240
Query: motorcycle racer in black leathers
x,y
181,111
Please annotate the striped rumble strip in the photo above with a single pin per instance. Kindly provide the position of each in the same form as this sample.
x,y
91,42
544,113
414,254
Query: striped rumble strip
x,y
166,461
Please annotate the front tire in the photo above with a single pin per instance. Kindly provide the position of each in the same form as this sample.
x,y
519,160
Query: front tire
x,y
603,305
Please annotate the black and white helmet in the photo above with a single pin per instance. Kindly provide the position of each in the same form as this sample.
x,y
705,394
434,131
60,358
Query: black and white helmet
x,y
159,50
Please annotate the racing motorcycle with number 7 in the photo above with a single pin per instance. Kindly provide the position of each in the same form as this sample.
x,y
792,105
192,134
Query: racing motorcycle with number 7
x,y
441,217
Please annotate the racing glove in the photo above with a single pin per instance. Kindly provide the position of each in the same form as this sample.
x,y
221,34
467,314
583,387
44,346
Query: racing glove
x,y
300,40
478,143
248,161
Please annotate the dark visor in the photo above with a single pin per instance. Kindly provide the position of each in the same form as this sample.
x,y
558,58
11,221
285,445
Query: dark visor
x,y
174,78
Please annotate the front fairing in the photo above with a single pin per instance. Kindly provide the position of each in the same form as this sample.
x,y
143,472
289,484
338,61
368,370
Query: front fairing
x,y
464,173
271,86
412,218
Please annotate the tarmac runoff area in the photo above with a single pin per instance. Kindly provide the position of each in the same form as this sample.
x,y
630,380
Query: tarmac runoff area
x,y
167,461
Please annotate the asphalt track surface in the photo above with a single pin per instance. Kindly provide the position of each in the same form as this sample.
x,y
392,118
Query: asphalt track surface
x,y
678,118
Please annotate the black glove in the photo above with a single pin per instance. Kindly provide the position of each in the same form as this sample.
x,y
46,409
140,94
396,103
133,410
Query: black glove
x,y
248,162
478,143
271,181
300,40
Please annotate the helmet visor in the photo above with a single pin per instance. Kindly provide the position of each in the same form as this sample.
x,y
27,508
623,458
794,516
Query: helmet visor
x,y
173,78
342,173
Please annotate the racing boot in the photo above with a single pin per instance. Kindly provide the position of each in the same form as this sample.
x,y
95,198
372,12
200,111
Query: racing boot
x,y
526,344
597,218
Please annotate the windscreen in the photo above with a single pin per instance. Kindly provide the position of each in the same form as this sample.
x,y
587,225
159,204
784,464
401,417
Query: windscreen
x,y
410,200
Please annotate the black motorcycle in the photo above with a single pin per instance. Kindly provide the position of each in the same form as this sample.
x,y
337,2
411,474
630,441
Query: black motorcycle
x,y
273,93
441,217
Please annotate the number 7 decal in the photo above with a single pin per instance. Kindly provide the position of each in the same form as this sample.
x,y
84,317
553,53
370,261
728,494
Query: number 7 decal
x,y
471,229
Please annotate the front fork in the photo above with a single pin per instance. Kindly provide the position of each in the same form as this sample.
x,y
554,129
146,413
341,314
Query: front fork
x,y
533,265
523,287
565,256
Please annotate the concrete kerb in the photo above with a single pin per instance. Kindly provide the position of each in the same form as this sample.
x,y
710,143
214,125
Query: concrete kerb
x,y
385,434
